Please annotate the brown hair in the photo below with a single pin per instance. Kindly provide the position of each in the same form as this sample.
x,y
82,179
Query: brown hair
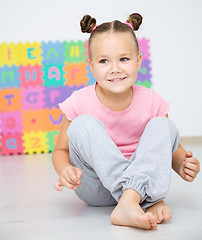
x,y
88,23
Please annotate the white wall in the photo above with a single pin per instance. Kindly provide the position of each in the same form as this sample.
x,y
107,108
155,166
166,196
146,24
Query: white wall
x,y
174,27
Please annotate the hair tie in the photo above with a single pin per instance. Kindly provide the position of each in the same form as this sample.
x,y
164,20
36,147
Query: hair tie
x,y
130,25
94,28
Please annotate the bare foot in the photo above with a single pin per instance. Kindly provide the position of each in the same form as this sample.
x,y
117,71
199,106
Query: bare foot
x,y
161,211
129,213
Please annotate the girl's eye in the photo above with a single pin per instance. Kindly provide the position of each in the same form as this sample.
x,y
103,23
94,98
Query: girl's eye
x,y
124,59
103,61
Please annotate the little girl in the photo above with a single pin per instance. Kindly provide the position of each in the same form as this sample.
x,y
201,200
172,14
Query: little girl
x,y
116,145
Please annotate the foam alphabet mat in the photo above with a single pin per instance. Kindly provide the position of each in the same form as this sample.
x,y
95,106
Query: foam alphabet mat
x,y
34,79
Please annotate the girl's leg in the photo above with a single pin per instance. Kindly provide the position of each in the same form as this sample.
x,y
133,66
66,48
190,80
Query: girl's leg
x,y
147,172
92,150
91,190
148,175
150,171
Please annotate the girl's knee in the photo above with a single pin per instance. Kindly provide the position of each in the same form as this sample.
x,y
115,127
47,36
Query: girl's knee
x,y
161,121
164,124
83,123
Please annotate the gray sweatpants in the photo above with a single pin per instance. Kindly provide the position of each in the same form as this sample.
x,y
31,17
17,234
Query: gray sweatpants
x,y
107,173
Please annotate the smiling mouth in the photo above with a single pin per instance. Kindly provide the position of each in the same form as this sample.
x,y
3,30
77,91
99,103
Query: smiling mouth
x,y
116,79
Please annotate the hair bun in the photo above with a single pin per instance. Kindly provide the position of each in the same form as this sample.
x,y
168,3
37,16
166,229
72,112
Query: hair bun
x,y
87,23
136,20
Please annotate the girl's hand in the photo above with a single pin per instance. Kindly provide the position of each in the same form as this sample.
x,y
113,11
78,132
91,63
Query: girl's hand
x,y
69,177
190,167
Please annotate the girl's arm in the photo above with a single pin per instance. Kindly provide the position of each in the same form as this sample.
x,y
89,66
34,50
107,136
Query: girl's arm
x,y
60,156
178,158
184,164
69,176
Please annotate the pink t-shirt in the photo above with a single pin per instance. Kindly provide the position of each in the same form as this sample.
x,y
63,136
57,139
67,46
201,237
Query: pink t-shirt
x,y
124,127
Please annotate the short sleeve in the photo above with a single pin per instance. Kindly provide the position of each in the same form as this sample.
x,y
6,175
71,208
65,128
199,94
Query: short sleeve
x,y
70,107
160,106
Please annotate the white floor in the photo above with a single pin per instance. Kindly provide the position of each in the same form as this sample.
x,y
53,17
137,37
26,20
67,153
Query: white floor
x,y
31,209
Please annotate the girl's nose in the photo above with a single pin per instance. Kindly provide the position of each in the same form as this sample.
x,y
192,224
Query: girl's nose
x,y
115,68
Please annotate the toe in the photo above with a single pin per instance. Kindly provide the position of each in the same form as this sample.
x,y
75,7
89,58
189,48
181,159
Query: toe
x,y
167,216
154,225
152,220
159,216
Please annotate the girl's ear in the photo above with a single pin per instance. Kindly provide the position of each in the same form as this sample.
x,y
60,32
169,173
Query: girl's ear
x,y
91,65
139,61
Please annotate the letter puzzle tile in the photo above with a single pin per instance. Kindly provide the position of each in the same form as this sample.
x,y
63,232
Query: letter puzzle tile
x,y
32,98
33,120
9,77
11,122
144,73
53,53
144,48
10,100
87,50
76,74
56,95
52,138
35,142
11,144
146,84
8,54
30,53
31,76
53,75
91,79
74,51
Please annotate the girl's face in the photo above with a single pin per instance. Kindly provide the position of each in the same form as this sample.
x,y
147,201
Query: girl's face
x,y
114,61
